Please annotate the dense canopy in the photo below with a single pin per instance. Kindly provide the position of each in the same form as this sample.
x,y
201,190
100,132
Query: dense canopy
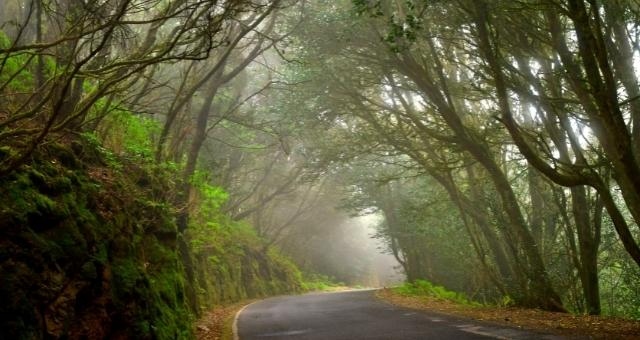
x,y
495,144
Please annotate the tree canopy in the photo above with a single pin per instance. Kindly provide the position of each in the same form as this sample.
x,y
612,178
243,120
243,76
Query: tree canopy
x,y
498,141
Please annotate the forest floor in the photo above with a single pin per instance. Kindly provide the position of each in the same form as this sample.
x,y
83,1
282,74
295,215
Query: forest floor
x,y
594,327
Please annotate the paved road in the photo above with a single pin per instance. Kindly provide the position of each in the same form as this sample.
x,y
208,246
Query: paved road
x,y
358,315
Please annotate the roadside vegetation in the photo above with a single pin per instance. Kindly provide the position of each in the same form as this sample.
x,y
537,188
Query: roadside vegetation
x,y
160,158
564,324
423,288
99,229
117,218
480,131
321,283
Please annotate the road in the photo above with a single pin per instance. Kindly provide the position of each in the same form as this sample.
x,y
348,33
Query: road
x,y
355,315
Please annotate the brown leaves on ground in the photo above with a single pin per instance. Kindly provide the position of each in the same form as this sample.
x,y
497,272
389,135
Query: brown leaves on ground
x,y
596,327
217,323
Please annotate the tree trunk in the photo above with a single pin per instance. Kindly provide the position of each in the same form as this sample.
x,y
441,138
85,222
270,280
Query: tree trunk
x,y
543,294
588,246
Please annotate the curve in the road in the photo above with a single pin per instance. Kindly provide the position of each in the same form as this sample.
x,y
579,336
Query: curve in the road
x,y
355,315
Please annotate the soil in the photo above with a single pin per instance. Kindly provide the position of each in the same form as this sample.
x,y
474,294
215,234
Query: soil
x,y
594,327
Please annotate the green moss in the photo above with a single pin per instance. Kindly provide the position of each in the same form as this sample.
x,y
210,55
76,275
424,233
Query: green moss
x,y
114,235
4,40
6,152
16,68
126,276
101,256
64,155
89,271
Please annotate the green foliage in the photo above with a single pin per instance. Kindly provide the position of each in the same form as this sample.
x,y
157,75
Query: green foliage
x,y
401,28
211,197
619,291
427,289
16,68
60,227
233,264
127,275
133,135
4,40
95,150
507,301
318,282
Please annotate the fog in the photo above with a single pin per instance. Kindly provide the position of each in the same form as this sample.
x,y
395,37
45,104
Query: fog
x,y
359,257
385,269
328,239
497,164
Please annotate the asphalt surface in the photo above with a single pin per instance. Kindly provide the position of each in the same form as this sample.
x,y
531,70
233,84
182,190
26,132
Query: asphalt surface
x,y
358,315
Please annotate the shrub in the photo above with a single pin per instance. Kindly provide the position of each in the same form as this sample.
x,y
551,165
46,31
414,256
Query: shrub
x,y
427,289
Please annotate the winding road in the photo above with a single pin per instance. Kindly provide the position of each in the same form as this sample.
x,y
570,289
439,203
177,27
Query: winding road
x,y
355,315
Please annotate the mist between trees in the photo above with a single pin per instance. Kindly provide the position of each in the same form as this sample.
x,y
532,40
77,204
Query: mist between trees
x,y
498,140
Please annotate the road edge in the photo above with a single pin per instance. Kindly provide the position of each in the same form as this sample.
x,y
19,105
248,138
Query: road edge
x,y
234,327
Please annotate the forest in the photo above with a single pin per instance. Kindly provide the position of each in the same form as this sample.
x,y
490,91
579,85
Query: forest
x,y
159,158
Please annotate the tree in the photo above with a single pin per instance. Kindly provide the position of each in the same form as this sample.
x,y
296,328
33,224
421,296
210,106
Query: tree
x,y
86,57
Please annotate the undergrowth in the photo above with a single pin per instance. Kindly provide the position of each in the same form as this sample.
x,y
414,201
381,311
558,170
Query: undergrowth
x,y
88,237
88,232
318,282
425,288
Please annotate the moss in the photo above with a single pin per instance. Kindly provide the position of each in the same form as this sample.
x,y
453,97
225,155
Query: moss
x,y
103,236
101,254
6,152
41,247
37,178
126,276
171,319
88,271
64,155
67,236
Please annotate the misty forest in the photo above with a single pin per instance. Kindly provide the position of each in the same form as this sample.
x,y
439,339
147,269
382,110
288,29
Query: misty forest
x,y
162,158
